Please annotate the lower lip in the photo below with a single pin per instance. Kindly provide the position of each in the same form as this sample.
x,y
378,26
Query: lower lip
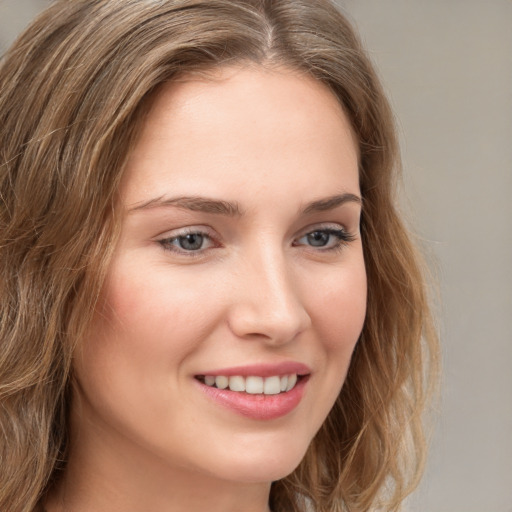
x,y
258,407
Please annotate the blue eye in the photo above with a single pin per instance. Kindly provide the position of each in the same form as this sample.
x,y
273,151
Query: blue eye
x,y
327,238
318,238
191,242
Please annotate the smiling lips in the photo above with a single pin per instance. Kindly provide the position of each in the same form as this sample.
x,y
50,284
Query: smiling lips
x,y
261,392
252,384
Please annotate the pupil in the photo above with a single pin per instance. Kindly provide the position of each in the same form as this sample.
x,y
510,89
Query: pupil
x,y
318,238
191,242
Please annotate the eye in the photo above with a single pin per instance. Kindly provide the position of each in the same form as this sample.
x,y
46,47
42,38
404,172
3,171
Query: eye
x,y
325,238
187,242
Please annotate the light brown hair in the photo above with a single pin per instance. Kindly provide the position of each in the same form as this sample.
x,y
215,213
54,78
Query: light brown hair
x,y
73,92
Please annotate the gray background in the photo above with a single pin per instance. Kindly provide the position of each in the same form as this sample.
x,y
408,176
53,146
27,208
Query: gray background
x,y
447,66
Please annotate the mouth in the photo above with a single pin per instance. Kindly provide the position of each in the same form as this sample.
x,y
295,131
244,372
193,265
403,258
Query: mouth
x,y
259,392
253,384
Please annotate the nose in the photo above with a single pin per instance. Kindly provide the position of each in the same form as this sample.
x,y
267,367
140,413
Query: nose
x,y
267,304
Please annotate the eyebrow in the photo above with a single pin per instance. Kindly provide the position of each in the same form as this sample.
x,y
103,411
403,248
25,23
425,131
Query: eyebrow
x,y
329,203
194,203
233,209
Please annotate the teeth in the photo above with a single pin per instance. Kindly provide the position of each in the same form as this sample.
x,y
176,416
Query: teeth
x,y
221,382
237,383
253,385
272,386
209,380
292,380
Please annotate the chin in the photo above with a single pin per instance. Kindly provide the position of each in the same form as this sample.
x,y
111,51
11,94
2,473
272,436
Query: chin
x,y
269,471
262,462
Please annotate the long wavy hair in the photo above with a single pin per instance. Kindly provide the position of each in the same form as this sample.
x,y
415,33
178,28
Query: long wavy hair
x,y
74,89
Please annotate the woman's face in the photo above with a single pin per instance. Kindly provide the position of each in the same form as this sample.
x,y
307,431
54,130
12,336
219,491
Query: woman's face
x,y
240,264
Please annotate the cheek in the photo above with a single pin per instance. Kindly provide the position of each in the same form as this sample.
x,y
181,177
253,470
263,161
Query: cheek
x,y
340,309
339,318
145,328
158,311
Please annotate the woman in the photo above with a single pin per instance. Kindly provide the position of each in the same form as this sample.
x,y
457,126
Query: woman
x,y
208,298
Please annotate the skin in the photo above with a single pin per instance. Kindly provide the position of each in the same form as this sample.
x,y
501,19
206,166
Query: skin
x,y
144,435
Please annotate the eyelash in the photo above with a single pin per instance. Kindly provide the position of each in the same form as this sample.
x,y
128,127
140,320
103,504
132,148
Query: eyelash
x,y
343,239
166,243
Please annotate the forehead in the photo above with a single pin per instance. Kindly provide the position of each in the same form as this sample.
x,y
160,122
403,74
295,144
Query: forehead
x,y
241,125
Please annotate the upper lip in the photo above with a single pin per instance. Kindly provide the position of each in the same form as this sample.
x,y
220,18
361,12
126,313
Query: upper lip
x,y
261,370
